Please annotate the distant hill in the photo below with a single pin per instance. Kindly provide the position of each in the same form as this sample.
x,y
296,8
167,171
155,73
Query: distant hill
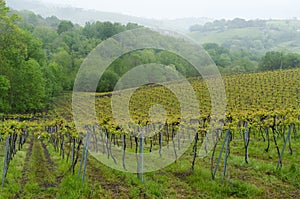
x,y
240,42
255,36
81,16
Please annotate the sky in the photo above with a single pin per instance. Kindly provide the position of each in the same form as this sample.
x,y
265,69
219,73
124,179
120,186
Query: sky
x,y
172,9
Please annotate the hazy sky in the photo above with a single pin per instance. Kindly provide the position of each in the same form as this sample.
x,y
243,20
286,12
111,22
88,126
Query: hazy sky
x,y
193,8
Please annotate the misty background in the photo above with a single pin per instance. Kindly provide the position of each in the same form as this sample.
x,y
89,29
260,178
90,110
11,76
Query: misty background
x,y
168,9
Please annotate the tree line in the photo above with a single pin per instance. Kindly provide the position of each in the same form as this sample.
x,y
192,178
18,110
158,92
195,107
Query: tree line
x,y
223,24
243,61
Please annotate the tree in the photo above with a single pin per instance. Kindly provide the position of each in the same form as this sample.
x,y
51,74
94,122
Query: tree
x,y
107,81
21,57
53,75
278,60
28,88
46,34
64,26
291,60
4,89
52,21
64,59
219,54
271,61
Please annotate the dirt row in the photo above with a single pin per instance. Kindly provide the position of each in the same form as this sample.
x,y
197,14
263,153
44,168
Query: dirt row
x,y
26,168
38,168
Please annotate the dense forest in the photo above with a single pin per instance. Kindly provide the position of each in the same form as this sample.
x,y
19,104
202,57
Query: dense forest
x,y
40,57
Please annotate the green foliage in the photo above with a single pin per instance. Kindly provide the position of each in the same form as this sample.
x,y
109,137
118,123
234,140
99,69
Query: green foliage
x,y
4,89
67,45
168,61
65,26
255,36
102,30
46,34
64,59
29,93
291,60
46,53
219,54
230,62
108,81
274,60
21,58
53,74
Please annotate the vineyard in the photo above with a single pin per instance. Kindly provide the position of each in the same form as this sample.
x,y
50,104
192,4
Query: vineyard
x,y
256,153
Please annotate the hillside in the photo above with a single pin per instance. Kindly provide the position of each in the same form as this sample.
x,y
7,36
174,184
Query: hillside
x,y
255,36
81,16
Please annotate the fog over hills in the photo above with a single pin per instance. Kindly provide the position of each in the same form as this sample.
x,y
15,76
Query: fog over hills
x,y
81,16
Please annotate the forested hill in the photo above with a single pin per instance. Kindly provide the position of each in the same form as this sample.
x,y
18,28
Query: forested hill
x,y
39,57
255,36
241,45
235,45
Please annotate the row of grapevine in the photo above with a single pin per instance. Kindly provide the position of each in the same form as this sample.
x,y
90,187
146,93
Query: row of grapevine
x,y
263,106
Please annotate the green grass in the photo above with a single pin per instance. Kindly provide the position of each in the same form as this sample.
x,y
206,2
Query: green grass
x,y
258,179
12,185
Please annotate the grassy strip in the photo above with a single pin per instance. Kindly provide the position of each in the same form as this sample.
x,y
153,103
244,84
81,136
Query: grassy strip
x,y
12,185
